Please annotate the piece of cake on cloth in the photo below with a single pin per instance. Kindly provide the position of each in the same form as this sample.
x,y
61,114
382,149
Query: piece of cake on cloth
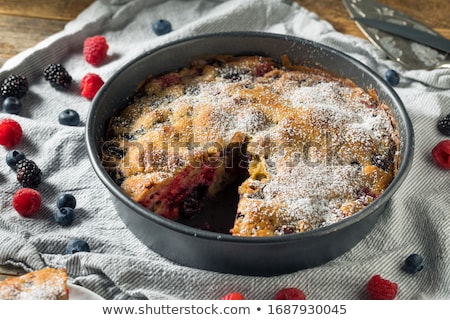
x,y
43,284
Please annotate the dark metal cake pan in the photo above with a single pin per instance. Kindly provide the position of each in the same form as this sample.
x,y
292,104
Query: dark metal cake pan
x,y
263,256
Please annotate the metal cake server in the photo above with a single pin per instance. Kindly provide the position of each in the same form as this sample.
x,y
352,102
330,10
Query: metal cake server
x,y
375,19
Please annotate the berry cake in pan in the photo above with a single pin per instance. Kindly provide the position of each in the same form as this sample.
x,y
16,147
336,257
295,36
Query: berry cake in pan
x,y
307,149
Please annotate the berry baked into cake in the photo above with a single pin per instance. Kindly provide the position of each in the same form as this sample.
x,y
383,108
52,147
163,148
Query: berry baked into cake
x,y
306,148
44,284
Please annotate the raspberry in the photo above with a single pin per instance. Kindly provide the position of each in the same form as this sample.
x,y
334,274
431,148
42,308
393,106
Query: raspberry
x,y
290,294
233,296
169,79
28,173
441,154
27,202
262,68
14,86
90,84
58,76
95,49
381,289
10,133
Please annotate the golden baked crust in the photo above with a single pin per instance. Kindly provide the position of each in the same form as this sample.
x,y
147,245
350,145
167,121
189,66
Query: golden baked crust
x,y
310,148
43,284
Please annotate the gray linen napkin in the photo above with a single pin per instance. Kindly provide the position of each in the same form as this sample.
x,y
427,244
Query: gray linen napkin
x,y
119,266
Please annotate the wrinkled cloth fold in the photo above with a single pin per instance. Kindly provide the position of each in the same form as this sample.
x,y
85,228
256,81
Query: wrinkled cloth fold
x,y
119,266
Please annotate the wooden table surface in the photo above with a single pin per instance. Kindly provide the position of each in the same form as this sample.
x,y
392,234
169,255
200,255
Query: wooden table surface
x,y
24,23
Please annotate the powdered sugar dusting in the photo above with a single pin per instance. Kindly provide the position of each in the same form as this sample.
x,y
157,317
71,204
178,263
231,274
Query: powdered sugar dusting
x,y
44,284
312,138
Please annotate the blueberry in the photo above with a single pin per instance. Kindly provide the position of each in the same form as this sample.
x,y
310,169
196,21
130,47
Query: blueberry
x,y
414,263
66,200
12,105
14,156
69,117
64,216
77,245
161,27
392,77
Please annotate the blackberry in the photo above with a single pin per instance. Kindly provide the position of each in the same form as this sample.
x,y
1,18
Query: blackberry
x,y
58,76
192,204
14,86
28,173
381,161
443,125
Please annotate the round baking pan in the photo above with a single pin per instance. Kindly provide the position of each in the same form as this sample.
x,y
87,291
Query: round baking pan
x,y
221,252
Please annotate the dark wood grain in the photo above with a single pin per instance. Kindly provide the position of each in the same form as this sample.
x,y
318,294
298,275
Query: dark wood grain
x,y
44,9
20,33
433,13
23,24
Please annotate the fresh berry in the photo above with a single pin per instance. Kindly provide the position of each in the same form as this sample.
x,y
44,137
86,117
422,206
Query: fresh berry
x,y
233,296
192,203
64,216
290,294
28,173
441,154
95,49
443,125
14,156
414,263
10,133
392,77
90,84
27,202
381,289
66,200
14,86
57,76
262,68
77,245
12,105
161,26
169,79
69,117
